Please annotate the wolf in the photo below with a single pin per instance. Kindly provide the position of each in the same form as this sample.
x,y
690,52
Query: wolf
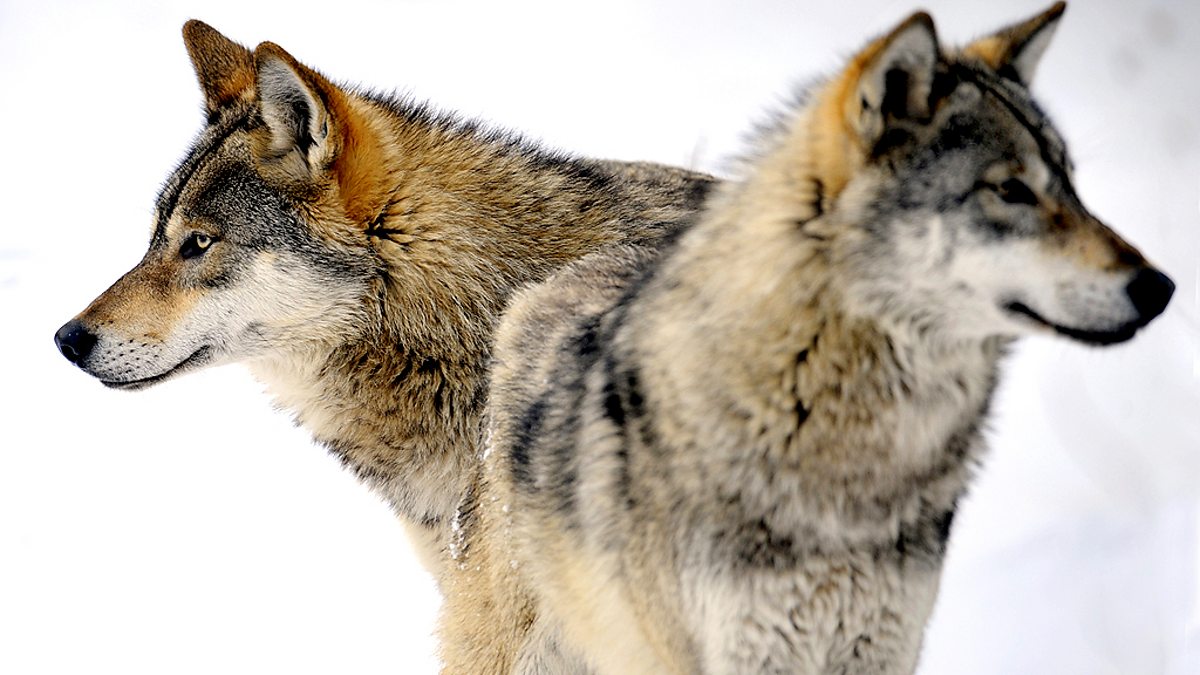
x,y
356,250
743,452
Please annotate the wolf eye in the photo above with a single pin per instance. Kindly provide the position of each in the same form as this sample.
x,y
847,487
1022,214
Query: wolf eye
x,y
196,244
1014,191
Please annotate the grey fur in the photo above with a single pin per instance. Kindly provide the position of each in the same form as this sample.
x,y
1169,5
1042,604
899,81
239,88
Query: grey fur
x,y
743,452
358,251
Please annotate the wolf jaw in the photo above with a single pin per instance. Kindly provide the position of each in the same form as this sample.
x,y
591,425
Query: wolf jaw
x,y
198,359
356,251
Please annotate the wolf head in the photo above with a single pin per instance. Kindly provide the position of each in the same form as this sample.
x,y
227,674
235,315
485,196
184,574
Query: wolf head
x,y
258,235
954,198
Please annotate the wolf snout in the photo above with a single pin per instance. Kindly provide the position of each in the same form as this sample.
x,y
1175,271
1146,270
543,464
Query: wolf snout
x,y
75,341
1150,291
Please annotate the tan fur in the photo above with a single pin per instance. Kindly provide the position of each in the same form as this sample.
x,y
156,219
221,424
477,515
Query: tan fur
x,y
837,149
1000,49
490,595
387,366
225,69
488,610
1093,244
144,305
731,455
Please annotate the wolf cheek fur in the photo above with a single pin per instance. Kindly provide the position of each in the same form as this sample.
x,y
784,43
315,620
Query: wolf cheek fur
x,y
356,251
744,453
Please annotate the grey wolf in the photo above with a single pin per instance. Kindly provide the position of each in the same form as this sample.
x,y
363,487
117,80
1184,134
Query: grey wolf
x,y
356,250
743,452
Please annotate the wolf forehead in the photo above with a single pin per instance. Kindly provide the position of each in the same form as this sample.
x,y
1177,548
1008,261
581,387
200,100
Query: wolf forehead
x,y
970,91
1014,102
973,102
216,185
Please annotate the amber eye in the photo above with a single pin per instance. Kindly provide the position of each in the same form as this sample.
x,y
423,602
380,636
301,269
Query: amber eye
x,y
196,244
1014,191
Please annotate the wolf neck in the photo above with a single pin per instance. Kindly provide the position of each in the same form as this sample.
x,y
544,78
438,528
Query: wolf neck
x,y
463,222
823,395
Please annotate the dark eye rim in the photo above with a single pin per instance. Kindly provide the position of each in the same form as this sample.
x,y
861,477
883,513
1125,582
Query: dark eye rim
x,y
1015,191
195,245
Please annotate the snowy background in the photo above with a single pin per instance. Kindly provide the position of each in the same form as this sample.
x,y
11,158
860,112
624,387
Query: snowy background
x,y
192,529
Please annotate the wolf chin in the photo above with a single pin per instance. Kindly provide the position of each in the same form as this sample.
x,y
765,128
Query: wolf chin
x,y
356,251
743,452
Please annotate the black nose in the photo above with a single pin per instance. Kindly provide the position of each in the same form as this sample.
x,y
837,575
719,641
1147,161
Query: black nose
x,y
74,341
1150,292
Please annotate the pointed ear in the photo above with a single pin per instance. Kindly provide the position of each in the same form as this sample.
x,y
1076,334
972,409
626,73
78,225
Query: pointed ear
x,y
225,68
316,135
295,104
892,78
1014,51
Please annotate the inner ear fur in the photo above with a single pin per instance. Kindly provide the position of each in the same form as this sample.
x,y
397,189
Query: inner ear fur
x,y
294,102
888,80
892,79
224,68
316,133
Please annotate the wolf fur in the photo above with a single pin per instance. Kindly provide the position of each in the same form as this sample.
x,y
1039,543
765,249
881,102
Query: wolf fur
x,y
356,251
744,453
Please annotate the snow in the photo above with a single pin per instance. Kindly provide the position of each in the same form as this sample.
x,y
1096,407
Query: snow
x,y
192,529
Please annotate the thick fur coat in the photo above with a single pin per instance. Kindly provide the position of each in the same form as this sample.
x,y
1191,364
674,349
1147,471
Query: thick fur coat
x,y
743,452
356,251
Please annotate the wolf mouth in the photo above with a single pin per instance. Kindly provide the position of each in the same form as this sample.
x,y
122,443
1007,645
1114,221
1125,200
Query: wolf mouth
x,y
1095,337
197,358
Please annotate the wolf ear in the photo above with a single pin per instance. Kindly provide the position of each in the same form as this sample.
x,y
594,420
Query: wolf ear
x,y
294,104
894,78
225,68
1014,51
314,131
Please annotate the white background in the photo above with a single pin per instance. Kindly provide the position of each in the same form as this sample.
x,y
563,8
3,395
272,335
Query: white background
x,y
192,529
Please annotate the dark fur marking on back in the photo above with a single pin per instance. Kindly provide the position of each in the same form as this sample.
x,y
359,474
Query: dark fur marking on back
x,y
581,354
621,399
552,440
585,343
614,410
633,395
526,433
624,406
